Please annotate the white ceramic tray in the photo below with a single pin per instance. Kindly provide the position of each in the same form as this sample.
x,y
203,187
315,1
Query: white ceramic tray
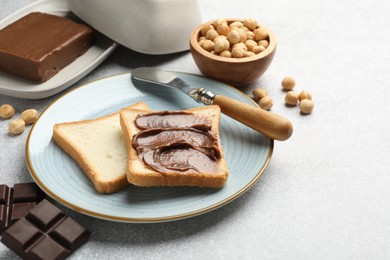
x,y
18,87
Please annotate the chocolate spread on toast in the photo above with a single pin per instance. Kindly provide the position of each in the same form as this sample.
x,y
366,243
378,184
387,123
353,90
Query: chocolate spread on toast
x,y
176,141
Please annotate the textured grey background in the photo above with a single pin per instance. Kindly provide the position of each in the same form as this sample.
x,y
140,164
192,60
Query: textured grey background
x,y
326,192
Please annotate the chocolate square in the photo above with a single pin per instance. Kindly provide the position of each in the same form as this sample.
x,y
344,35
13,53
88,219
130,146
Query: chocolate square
x,y
16,201
45,233
47,248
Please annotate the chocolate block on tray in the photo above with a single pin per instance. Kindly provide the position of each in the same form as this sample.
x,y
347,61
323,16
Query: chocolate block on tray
x,y
45,233
38,45
16,201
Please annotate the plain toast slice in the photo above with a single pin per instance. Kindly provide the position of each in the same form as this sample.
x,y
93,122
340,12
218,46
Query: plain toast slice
x,y
98,147
138,173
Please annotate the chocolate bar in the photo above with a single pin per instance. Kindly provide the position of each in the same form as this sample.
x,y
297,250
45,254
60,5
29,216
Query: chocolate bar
x,y
16,201
39,45
45,233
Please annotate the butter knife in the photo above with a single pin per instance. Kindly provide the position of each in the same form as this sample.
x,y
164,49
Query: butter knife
x,y
270,124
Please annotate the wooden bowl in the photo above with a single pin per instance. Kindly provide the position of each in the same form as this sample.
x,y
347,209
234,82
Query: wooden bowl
x,y
234,71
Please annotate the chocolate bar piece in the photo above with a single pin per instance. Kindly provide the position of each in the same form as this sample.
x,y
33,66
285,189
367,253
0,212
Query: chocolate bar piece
x,y
16,201
39,45
45,233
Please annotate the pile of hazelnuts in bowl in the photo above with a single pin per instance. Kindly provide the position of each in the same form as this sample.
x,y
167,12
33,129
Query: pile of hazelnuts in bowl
x,y
235,51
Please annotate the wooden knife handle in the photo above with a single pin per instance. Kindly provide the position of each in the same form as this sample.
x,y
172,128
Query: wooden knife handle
x,y
270,124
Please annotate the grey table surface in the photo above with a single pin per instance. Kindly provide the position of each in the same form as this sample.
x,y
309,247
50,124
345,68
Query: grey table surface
x,y
326,192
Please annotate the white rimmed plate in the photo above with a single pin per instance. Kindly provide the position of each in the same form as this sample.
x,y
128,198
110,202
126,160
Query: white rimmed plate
x,y
247,154
18,87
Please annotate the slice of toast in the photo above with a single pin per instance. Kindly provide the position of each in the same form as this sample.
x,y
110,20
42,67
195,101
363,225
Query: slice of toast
x,y
140,174
98,147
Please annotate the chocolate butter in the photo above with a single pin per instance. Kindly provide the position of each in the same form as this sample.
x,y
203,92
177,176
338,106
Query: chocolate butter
x,y
169,119
176,141
39,45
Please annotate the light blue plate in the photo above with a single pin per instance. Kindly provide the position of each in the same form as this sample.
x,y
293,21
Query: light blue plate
x,y
247,154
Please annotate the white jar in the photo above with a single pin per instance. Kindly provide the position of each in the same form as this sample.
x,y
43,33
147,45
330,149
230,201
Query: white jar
x,y
146,26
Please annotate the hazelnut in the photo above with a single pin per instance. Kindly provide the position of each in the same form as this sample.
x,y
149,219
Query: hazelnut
x,y
233,37
304,95
207,45
260,34
6,111
221,45
238,52
16,127
259,93
249,54
306,106
250,35
29,116
242,35
288,83
250,22
223,29
219,21
266,103
263,43
219,37
291,98
226,54
250,44
206,28
211,34
240,45
258,49
237,24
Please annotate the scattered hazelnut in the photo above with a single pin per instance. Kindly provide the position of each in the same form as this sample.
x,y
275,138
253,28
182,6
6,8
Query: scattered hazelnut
x,y
16,127
266,103
6,111
288,83
259,93
29,116
304,95
291,98
306,106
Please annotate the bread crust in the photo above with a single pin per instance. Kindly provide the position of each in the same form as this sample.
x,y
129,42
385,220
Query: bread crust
x,y
88,167
141,175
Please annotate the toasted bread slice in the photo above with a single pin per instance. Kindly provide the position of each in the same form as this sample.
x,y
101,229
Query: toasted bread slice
x,y
138,173
98,147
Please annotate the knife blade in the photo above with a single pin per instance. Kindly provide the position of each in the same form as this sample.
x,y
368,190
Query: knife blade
x,y
270,124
